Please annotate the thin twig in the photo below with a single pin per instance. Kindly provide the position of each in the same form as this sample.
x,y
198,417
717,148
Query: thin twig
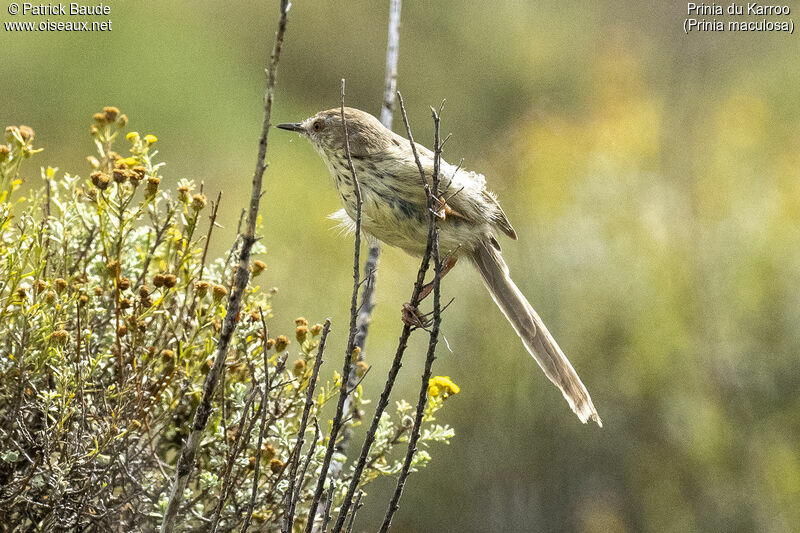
x,y
411,451
356,507
383,401
310,388
264,408
343,394
373,255
203,412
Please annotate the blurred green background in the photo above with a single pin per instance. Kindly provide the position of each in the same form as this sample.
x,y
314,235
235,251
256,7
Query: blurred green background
x,y
653,180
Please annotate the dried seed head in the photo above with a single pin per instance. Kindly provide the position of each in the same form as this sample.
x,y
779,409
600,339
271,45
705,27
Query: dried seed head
x,y
100,180
300,321
100,118
110,113
27,133
50,297
98,291
152,185
199,201
258,267
183,193
276,465
124,283
299,367
4,151
125,303
218,292
123,120
144,291
170,280
270,343
122,330
281,343
59,337
113,267
269,452
158,280
301,333
356,354
60,284
120,175
316,329
201,288
139,172
40,286
167,357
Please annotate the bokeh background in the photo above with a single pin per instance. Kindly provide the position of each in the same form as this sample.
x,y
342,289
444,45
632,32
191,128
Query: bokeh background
x,y
653,180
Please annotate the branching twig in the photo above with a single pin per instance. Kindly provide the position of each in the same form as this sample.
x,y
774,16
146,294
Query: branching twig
x,y
291,502
187,456
343,390
264,408
394,504
369,439
373,254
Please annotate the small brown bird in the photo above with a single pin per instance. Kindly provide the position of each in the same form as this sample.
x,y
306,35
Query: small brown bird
x,y
395,211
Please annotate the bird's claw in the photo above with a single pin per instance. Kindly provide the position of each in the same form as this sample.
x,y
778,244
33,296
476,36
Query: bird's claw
x,y
413,317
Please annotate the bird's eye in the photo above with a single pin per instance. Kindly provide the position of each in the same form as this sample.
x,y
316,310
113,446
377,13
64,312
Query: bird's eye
x,y
317,125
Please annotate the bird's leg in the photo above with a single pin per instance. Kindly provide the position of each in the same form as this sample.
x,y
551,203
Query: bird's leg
x,y
412,316
450,262
442,210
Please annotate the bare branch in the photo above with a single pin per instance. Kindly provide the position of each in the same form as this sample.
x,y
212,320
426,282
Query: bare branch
x,y
343,389
394,504
187,456
369,439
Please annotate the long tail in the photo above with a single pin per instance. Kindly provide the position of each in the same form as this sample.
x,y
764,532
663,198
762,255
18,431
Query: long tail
x,y
532,331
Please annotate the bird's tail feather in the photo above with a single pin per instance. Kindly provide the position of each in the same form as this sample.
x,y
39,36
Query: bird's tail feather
x,y
530,328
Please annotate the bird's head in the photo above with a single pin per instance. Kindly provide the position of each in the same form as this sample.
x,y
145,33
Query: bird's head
x,y
326,133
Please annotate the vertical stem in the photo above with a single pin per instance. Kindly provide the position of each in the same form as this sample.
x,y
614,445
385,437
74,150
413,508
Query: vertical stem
x,y
394,504
203,412
345,386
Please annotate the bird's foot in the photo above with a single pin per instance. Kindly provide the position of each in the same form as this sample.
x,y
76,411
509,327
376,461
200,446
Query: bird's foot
x,y
442,210
413,317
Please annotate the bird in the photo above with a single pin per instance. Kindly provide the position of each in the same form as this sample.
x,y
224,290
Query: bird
x,y
395,211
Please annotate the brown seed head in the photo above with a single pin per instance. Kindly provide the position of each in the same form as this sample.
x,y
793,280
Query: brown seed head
x,y
218,292
110,113
258,267
281,343
276,465
100,180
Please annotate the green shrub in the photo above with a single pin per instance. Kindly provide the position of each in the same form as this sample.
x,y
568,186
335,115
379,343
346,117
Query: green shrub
x,y
109,315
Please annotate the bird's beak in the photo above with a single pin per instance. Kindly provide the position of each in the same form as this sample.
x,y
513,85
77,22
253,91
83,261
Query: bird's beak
x,y
293,126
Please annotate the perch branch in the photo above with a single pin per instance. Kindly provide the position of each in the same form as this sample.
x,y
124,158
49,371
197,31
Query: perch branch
x,y
369,439
394,504
344,388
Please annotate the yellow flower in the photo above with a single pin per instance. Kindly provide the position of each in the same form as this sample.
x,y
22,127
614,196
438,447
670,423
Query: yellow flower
x,y
442,385
132,136
130,161
150,139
